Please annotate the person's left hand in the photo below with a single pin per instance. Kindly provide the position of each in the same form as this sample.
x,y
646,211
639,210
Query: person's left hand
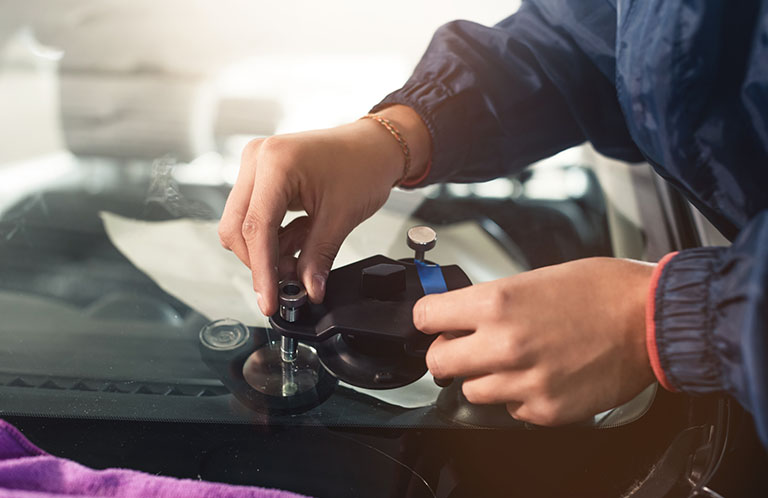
x,y
557,345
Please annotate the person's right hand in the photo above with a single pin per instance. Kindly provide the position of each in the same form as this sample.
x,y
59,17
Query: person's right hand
x,y
339,176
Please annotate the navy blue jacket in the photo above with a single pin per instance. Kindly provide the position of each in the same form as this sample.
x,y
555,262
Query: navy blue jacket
x,y
680,84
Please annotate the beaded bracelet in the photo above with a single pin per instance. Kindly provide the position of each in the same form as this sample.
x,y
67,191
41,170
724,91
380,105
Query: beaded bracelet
x,y
400,140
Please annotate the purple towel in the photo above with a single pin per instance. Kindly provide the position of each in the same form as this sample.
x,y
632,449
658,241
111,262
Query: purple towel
x,y
26,471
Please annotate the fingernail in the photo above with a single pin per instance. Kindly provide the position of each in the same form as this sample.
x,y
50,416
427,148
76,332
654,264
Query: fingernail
x,y
318,284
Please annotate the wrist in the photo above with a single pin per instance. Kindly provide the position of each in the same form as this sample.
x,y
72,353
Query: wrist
x,y
382,155
640,274
415,132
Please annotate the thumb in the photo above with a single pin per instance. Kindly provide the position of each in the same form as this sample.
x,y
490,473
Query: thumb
x,y
320,249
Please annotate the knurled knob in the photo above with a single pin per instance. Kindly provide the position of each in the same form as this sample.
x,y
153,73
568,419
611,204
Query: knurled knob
x,y
421,239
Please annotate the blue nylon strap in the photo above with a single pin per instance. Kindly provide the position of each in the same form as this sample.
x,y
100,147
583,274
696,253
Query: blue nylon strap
x,y
431,277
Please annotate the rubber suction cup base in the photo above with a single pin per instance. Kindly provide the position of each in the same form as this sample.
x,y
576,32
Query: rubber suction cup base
x,y
454,406
279,387
369,363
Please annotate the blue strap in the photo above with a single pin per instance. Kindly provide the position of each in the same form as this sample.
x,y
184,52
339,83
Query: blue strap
x,y
431,277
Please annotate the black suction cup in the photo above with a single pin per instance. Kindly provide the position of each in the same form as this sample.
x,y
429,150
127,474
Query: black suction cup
x,y
370,363
454,406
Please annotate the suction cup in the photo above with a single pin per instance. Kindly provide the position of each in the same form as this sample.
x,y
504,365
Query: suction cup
x,y
287,387
252,369
370,363
227,335
454,406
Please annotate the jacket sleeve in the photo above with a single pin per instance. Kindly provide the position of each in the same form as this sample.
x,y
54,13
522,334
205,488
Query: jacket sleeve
x,y
496,99
710,314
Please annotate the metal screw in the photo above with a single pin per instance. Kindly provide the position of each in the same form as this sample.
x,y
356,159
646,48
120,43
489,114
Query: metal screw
x,y
291,297
421,239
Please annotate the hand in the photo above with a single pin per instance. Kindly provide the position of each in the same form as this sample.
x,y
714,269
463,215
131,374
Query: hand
x,y
557,345
339,176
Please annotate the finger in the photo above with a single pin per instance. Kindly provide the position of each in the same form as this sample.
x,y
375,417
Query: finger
x,y
532,413
286,267
292,236
325,236
240,250
268,205
464,356
235,209
512,409
496,388
447,311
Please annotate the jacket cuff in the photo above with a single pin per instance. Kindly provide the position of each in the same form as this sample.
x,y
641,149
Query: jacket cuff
x,y
415,95
679,322
650,323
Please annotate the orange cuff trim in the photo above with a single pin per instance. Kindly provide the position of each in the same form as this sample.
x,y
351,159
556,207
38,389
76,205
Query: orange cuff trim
x,y
650,324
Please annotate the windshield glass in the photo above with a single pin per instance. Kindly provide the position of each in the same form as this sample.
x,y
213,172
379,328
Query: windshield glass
x,y
114,172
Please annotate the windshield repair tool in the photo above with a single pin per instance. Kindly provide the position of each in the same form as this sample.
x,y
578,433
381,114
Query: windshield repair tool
x,y
252,368
363,331
291,296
